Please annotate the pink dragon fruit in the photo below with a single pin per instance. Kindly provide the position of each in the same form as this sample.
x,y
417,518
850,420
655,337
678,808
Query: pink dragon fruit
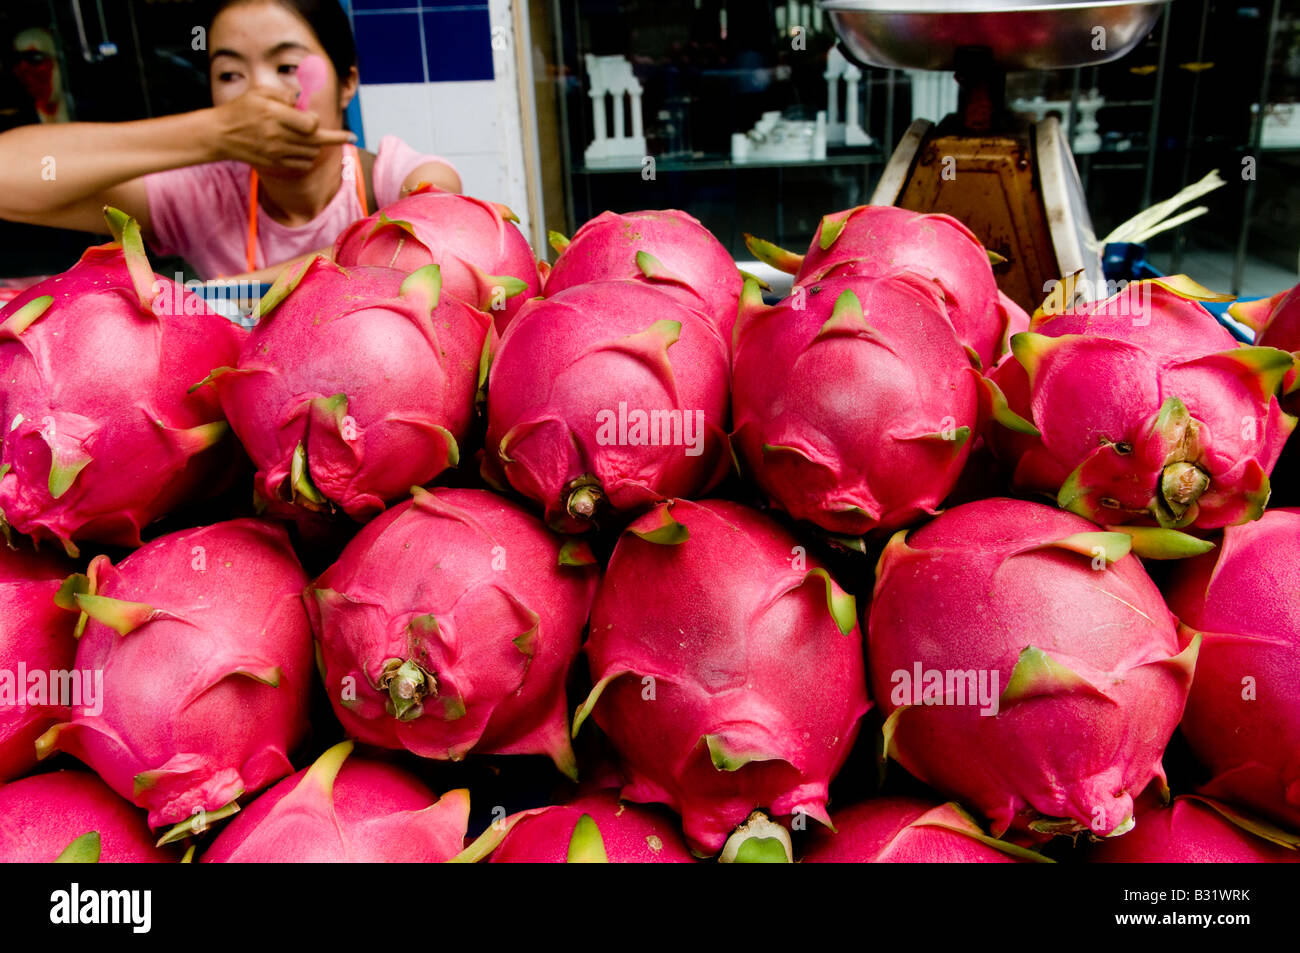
x,y
37,650
908,830
598,828
485,260
1027,664
205,650
727,666
875,241
607,396
1143,408
1196,830
1243,716
356,385
99,437
1276,321
346,810
1017,321
449,624
668,248
71,816
881,347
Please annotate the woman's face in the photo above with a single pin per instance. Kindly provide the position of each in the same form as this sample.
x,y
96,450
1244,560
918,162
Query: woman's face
x,y
261,43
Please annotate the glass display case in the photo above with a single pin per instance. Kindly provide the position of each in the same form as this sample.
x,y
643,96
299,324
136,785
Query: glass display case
x,y
708,72
1141,128
1223,59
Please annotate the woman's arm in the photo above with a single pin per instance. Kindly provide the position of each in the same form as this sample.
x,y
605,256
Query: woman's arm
x,y
63,175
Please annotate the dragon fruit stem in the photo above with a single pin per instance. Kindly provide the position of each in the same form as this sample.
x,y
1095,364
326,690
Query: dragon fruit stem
x,y
583,501
759,840
1182,484
407,684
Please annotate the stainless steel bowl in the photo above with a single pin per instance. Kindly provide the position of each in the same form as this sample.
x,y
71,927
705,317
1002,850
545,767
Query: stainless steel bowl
x,y
1022,34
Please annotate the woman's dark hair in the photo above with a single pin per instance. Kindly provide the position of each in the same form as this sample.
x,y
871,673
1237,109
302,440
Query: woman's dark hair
x,y
328,22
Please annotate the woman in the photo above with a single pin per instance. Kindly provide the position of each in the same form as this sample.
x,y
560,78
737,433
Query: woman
x,y
243,188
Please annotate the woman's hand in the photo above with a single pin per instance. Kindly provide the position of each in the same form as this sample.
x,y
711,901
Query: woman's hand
x,y
262,128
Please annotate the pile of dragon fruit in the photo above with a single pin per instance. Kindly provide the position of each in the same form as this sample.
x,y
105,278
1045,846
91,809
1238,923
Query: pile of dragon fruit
x,y
459,555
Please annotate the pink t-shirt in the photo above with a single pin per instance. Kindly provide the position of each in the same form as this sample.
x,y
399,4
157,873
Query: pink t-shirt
x,y
200,212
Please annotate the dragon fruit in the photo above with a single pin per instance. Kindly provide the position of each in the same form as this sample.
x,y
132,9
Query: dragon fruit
x,y
598,828
1143,408
205,650
909,830
99,437
449,624
1027,665
668,248
1243,716
356,385
485,260
72,816
1276,321
607,396
881,347
727,666
1017,321
1196,830
37,650
875,241
760,840
346,810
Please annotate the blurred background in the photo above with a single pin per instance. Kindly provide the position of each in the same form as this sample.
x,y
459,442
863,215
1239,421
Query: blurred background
x,y
504,90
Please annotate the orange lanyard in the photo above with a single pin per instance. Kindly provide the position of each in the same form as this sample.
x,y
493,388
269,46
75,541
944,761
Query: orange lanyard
x,y
250,252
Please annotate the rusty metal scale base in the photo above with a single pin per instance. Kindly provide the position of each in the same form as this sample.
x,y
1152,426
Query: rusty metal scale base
x,y
992,184
1013,184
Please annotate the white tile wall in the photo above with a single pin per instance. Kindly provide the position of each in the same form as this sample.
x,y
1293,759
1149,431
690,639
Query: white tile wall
x,y
464,116
482,174
398,109
474,124
513,144
458,121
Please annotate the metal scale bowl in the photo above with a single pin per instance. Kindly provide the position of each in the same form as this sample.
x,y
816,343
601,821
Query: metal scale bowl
x,y
1011,181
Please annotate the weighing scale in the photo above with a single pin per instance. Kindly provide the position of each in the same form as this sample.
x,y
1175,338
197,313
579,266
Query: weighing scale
x,y
1013,182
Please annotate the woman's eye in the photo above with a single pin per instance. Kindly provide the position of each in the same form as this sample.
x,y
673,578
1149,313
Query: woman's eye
x,y
288,69
227,77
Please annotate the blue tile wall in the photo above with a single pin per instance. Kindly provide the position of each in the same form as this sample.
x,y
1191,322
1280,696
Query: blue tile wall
x,y
388,47
360,5
457,42
415,41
